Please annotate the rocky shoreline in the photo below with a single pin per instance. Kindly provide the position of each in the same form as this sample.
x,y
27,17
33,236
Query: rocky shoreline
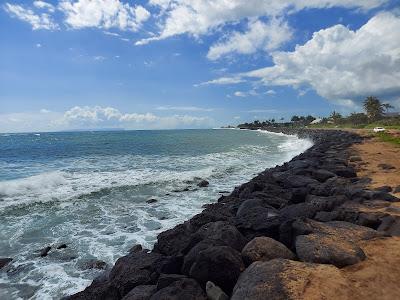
x,y
269,239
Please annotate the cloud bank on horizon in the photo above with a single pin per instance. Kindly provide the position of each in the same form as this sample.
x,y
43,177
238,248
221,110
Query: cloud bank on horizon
x,y
341,63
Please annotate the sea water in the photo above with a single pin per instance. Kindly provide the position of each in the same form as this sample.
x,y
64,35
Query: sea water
x,y
89,191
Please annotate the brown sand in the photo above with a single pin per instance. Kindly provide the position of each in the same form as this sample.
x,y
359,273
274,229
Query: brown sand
x,y
374,152
377,277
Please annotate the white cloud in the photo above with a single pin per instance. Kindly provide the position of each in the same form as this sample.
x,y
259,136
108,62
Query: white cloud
x,y
37,21
259,36
239,94
103,14
256,111
99,57
96,117
44,5
38,45
270,92
341,64
222,81
197,18
184,108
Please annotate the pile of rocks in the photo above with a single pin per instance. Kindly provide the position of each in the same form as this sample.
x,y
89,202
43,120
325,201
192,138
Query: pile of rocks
x,y
265,240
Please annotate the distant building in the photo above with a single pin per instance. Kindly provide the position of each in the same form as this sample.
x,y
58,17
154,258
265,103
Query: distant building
x,y
316,121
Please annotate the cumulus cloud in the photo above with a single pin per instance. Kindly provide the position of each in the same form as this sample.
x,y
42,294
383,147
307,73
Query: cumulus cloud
x,y
197,18
259,36
222,81
341,64
103,14
36,20
96,117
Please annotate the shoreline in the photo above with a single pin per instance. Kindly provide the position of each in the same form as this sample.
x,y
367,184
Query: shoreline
x,y
221,250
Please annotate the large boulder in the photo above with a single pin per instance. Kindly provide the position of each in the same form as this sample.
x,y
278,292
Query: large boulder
x,y
282,279
4,261
187,289
141,292
220,264
352,232
173,241
264,249
220,231
328,249
295,181
140,268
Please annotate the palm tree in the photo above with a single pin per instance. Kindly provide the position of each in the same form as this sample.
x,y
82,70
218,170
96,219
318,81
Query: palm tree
x,y
335,116
373,107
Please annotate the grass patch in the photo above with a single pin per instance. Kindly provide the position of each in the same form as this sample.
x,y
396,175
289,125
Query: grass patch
x,y
386,137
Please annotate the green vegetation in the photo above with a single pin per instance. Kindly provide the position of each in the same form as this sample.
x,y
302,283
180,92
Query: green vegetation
x,y
386,137
376,115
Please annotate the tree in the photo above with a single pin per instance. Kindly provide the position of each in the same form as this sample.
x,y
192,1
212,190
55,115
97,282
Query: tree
x,y
373,107
295,119
335,117
309,119
358,118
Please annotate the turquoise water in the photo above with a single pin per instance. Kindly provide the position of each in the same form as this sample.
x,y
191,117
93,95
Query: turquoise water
x,y
89,190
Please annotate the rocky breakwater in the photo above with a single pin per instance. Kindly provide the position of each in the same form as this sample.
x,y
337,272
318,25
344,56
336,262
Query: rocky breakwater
x,y
271,238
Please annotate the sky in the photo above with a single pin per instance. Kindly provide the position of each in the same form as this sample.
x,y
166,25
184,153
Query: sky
x,y
165,64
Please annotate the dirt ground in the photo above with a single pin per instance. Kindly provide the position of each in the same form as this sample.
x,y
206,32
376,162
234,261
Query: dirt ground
x,y
373,153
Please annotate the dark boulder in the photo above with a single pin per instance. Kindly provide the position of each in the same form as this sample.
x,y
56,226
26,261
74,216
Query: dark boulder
x,y
184,289
259,222
203,183
43,252
220,264
296,181
220,231
4,261
151,200
140,268
136,248
173,241
93,264
141,292
61,246
322,175
165,280
385,189
263,249
328,249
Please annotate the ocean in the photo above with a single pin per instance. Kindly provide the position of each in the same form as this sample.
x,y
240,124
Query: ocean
x,y
89,190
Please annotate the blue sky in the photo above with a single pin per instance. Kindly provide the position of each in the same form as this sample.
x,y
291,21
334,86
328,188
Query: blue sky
x,y
72,64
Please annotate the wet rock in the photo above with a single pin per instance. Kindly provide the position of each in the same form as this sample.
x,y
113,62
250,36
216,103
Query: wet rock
x,y
96,291
151,200
44,251
203,183
94,264
140,268
141,292
167,279
61,246
4,261
264,249
386,167
282,279
328,249
258,222
219,264
187,289
135,248
191,256
269,200
215,292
